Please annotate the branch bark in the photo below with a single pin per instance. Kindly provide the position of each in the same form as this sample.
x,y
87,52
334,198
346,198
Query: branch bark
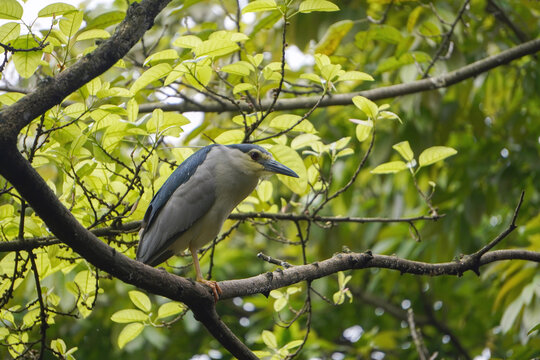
x,y
432,83
264,283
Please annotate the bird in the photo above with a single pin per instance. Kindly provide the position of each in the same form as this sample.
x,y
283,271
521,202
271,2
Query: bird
x,y
190,208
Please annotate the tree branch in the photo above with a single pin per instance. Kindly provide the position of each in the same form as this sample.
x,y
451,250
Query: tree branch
x,y
264,283
435,82
134,226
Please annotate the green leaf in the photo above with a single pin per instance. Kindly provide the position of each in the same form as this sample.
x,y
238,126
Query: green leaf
x,y
56,9
59,345
260,5
264,190
128,316
308,6
413,18
436,153
165,55
230,137
269,339
70,23
291,159
243,87
129,333
510,314
367,106
11,10
390,167
303,140
388,115
154,73
429,29
93,34
293,344
216,48
536,328
333,36
404,149
140,300
286,121
387,34
187,41
242,68
132,108
355,76
312,77
105,20
170,309
9,32
280,304
26,62
363,129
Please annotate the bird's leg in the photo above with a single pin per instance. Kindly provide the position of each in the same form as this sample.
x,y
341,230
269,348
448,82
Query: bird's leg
x,y
212,284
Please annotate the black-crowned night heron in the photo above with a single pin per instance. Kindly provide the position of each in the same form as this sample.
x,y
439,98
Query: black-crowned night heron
x,y
192,205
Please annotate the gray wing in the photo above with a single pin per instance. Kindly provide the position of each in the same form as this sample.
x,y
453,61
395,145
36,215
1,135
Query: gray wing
x,y
191,200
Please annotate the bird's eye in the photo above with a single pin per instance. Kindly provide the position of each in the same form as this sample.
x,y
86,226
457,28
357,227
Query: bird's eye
x,y
255,155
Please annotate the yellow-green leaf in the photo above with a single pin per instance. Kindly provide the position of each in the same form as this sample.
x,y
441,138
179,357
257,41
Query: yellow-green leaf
x,y
312,77
93,34
140,300
128,316
154,73
333,36
129,333
303,140
242,68
165,55
308,6
26,62
355,76
404,149
413,18
436,153
170,309
215,48
243,87
288,121
11,10
291,159
70,23
390,167
56,9
363,129
187,41
280,303
269,339
9,32
230,137
260,5
367,106
264,190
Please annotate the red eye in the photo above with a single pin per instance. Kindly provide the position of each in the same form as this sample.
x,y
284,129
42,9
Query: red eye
x,y
255,155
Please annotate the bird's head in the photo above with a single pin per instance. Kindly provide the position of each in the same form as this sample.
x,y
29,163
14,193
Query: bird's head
x,y
256,160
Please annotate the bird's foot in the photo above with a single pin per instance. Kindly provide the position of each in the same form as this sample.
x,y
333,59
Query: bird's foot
x,y
216,290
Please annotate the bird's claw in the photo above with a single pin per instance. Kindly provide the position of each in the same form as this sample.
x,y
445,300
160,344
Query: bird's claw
x,y
216,290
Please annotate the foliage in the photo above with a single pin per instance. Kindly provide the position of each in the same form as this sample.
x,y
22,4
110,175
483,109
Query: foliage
x,y
107,148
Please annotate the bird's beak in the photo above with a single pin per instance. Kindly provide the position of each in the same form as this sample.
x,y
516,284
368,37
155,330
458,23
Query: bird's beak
x,y
278,168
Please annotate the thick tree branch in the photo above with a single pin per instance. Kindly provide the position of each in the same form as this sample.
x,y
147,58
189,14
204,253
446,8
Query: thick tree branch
x,y
279,278
435,82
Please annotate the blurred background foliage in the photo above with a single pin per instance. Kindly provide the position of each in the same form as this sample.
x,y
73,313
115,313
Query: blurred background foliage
x,y
101,165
